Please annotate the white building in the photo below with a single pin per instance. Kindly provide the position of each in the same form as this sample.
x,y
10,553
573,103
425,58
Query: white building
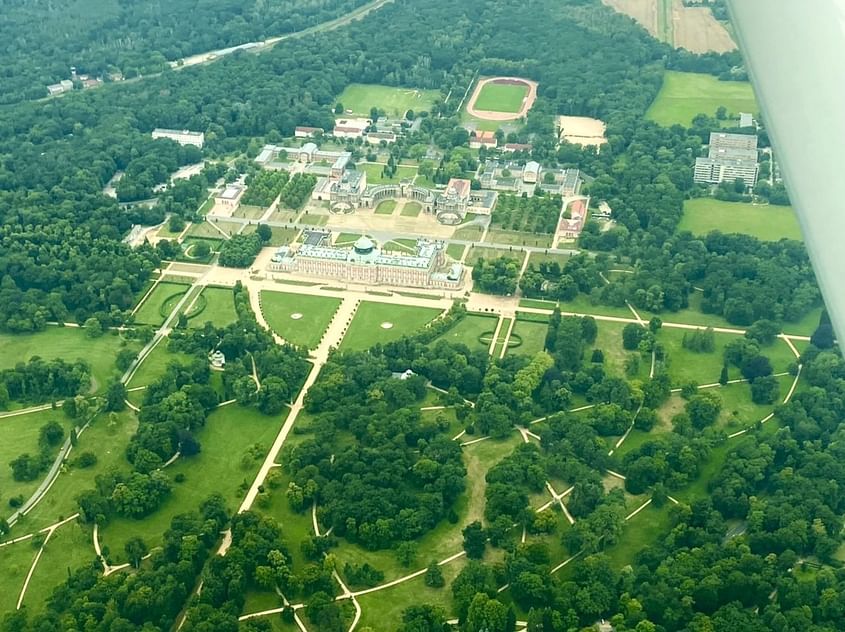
x,y
231,196
350,127
307,132
61,87
531,173
184,137
730,157
366,263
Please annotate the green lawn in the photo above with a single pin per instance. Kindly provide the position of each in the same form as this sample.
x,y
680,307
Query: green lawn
x,y
219,467
316,313
19,435
455,251
496,97
411,209
155,363
469,329
370,325
15,561
769,223
150,312
69,549
361,97
279,237
386,207
639,532
684,95
347,239
108,442
533,337
67,343
374,173
215,304
685,365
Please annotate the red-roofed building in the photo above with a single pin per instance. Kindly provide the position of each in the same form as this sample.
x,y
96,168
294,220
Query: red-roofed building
x,y
483,139
571,228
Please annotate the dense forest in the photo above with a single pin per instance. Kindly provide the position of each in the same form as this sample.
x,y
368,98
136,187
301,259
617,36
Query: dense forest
x,y
42,39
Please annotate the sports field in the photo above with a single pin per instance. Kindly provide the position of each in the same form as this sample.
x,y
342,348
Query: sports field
x,y
298,318
686,94
768,223
497,97
361,97
383,322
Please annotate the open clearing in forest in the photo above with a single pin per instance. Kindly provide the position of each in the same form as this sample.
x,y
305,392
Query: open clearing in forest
x,y
769,223
224,466
298,318
360,98
69,344
19,435
382,322
684,95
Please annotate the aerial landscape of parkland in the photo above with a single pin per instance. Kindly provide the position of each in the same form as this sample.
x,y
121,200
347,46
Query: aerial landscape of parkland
x,y
406,316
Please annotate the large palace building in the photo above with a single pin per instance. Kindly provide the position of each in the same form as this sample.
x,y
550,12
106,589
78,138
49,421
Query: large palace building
x,y
365,263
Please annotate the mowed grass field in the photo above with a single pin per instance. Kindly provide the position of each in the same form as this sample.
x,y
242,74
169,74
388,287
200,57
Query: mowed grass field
x,y
221,466
361,97
769,223
370,324
150,311
69,344
316,311
219,308
686,94
496,97
374,173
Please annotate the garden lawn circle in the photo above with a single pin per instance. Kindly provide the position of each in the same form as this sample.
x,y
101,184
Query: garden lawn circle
x,y
499,89
386,325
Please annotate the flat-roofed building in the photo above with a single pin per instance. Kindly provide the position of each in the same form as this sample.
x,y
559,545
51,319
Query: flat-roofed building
x,y
303,131
512,147
730,157
531,172
722,141
350,127
231,196
746,119
718,170
65,85
376,138
183,137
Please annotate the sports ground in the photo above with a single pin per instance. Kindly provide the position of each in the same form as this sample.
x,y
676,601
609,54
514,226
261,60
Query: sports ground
x,y
684,95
